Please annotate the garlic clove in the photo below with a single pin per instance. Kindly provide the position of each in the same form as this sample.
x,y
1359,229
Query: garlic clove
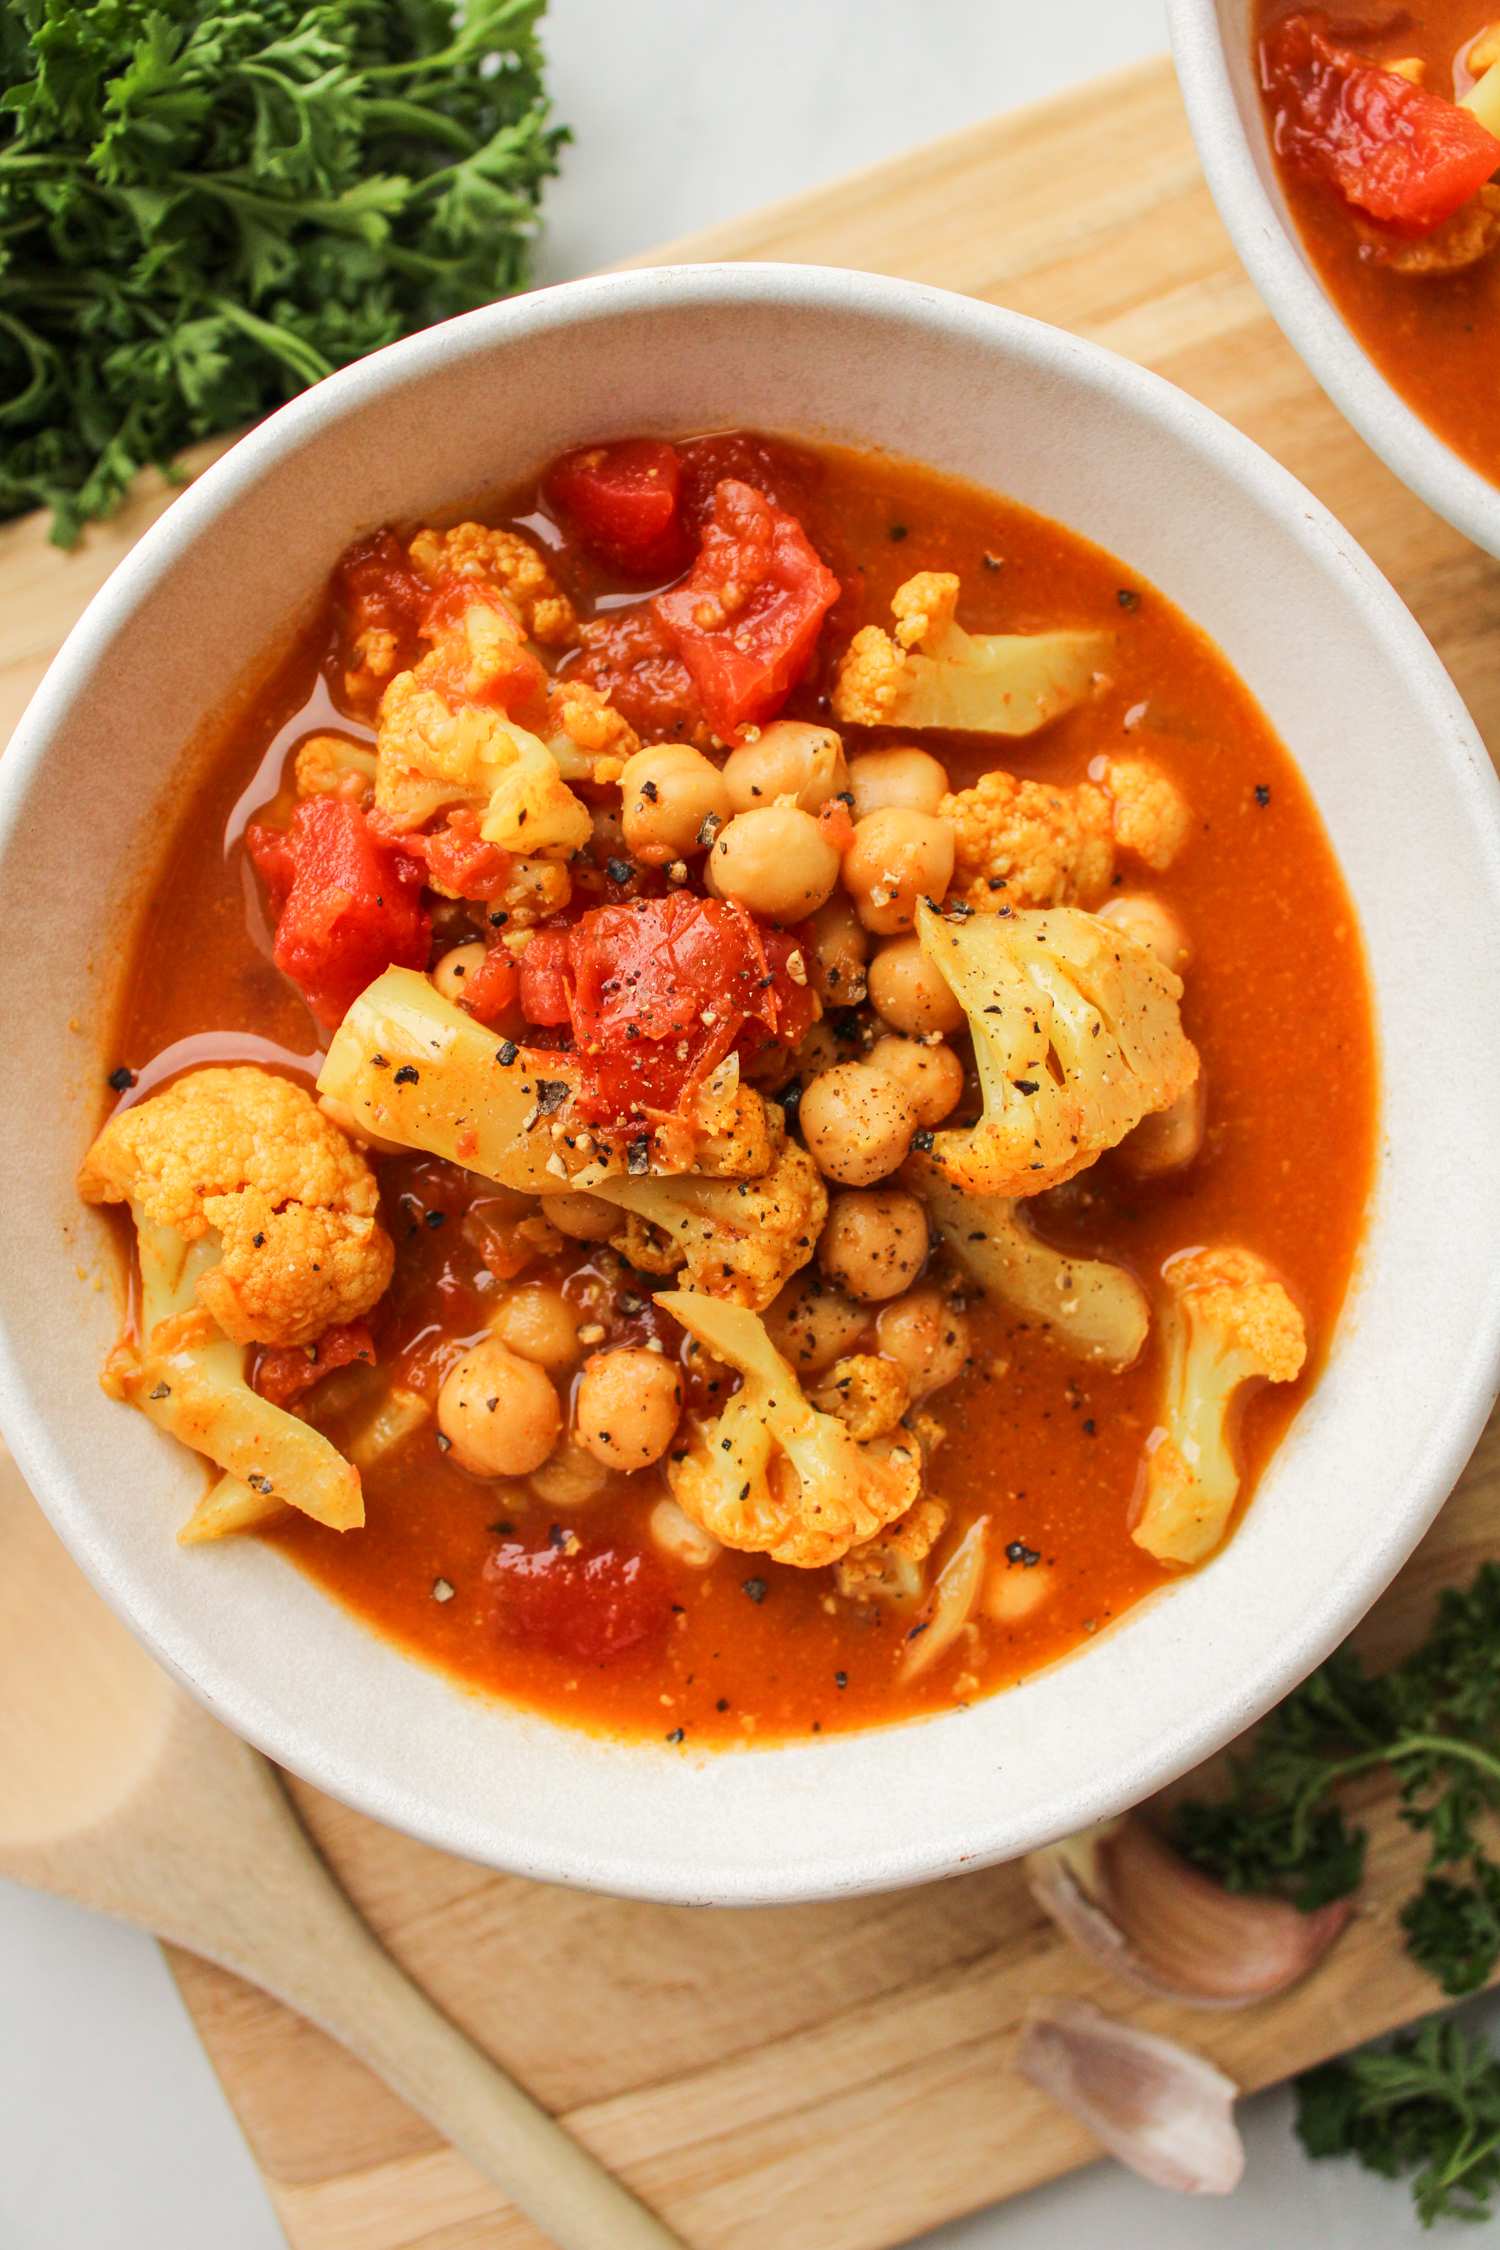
x,y
1158,2106
1137,1908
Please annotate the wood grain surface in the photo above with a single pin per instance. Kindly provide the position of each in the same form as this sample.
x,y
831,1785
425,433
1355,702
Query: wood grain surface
x,y
838,2077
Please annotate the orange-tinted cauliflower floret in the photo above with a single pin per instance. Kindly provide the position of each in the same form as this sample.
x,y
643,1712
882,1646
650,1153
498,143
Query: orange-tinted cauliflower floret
x,y
510,565
1036,843
928,672
252,1159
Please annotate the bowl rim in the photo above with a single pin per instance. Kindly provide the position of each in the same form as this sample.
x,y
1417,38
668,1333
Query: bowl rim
x,y
1272,253
1288,1650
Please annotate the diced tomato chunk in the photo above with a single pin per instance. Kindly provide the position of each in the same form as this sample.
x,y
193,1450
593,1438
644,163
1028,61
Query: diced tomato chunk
x,y
282,1376
635,666
745,619
1406,157
493,986
346,906
376,586
459,862
622,502
592,1605
544,977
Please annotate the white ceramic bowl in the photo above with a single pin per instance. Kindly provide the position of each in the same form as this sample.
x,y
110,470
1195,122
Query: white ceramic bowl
x,y
1212,48
1414,812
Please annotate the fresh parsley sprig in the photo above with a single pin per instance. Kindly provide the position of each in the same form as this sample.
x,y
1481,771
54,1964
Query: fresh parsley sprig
x,y
1434,1723
1427,2105
205,208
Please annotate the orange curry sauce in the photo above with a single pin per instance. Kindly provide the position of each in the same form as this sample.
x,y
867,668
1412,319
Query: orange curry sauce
x,y
1435,337
1049,1448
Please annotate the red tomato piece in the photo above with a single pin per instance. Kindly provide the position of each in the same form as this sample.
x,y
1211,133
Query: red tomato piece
x,y
622,501
1390,148
282,1376
376,586
493,986
593,1606
459,862
634,666
746,618
346,906
544,977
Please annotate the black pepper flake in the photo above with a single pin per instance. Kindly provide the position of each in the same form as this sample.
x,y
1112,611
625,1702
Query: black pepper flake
x,y
845,1024
556,1536
744,1492
505,1530
841,1679
916,1629
406,1075
1262,793
997,882
1026,1085
897,532
436,1219
675,1735
551,1093
162,1390
498,918
378,1062
258,1483
708,831
506,1053
122,1079
1019,1552
638,1154
445,1444
1088,1427
649,791
257,1242
756,1588
922,1140
1128,598
620,870
790,1101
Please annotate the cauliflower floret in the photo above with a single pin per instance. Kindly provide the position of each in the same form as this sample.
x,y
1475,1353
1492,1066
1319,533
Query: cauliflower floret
x,y
1230,1322
510,565
931,673
329,766
771,1475
740,1240
1076,1037
868,1395
587,736
1150,812
889,1567
435,753
1038,843
253,1160
1096,1309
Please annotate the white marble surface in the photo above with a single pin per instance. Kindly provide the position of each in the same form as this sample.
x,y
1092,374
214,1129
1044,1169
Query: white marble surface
x,y
113,2133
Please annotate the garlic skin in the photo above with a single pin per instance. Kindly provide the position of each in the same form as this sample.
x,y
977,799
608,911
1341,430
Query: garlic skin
x,y
1158,2106
1137,1908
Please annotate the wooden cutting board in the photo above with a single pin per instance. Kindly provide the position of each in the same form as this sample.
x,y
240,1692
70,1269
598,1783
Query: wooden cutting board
x,y
838,2077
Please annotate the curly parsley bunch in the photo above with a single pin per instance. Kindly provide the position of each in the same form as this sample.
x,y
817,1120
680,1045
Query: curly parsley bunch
x,y
206,208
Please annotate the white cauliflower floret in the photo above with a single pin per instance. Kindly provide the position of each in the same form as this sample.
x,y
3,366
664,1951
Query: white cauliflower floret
x,y
740,1240
930,673
771,1475
1035,843
252,1160
1230,1322
1076,1038
1096,1309
510,566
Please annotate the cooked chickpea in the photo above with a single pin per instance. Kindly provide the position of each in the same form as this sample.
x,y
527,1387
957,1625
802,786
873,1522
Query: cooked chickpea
x,y
932,1078
874,1242
676,1533
667,793
777,862
1169,1139
1016,1590
857,1123
499,1412
791,759
897,858
582,1217
812,1324
926,1338
838,952
455,969
570,1476
910,778
629,1405
1152,925
910,993
537,1321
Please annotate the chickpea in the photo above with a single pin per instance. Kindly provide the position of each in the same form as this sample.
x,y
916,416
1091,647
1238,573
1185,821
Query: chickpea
x,y
857,1123
874,1242
838,952
1015,1590
340,1114
676,1533
1169,1139
1152,925
926,1338
537,1322
456,967
791,759
667,794
629,1405
582,1217
910,993
812,1324
776,861
932,1078
499,1412
570,1477
897,858
881,778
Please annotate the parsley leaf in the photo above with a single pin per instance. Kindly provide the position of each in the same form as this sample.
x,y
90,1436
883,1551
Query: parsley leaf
x,y
204,208
1428,2105
1434,1723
